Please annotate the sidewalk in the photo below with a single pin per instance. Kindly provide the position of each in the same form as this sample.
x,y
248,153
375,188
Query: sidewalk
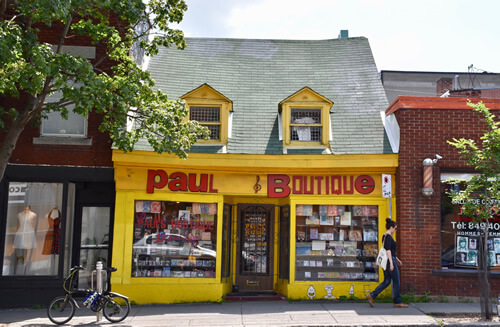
x,y
261,313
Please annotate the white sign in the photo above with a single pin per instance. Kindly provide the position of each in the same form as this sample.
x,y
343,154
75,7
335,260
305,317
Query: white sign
x,y
17,192
386,186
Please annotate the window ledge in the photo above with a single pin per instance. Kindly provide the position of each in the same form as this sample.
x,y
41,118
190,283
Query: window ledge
x,y
54,140
462,273
325,150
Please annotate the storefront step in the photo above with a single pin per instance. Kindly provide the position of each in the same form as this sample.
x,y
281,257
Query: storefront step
x,y
253,296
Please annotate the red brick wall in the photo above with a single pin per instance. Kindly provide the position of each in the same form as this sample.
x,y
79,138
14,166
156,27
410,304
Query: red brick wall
x,y
98,154
426,124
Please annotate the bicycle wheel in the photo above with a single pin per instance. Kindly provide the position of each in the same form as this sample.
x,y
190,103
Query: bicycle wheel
x,y
116,307
61,310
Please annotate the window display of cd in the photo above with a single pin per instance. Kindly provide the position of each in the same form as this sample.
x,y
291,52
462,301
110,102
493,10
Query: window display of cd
x,y
174,239
336,242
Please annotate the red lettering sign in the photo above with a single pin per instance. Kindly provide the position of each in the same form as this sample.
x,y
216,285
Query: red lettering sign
x,y
158,179
364,184
277,186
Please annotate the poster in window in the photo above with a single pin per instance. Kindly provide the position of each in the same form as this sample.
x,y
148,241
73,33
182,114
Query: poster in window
x,y
345,219
312,220
357,210
323,210
184,215
332,210
370,211
313,234
326,220
471,257
355,235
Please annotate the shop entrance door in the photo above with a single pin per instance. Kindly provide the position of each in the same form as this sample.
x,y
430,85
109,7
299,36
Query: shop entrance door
x,y
255,269
93,241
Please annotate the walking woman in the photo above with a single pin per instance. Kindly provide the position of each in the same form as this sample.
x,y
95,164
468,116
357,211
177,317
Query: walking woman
x,y
391,272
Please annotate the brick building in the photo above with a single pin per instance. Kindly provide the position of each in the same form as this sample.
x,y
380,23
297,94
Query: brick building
x,y
57,197
429,241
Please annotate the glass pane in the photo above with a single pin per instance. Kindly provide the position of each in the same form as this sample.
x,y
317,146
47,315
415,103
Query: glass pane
x,y
305,116
303,133
55,125
205,114
75,125
214,131
254,243
94,241
33,234
460,235
174,239
336,242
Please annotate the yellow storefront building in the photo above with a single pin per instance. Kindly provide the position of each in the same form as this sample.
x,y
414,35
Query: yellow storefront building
x,y
286,195
305,227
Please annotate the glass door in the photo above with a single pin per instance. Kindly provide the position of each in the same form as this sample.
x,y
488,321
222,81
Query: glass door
x,y
94,242
255,248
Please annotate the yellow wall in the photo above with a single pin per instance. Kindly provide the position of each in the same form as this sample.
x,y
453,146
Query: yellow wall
x,y
235,178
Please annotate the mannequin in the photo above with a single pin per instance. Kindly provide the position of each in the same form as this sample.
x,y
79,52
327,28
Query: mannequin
x,y
24,239
51,244
25,231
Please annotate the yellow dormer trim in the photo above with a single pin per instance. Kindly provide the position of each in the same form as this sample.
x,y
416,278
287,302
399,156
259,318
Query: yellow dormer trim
x,y
207,96
306,99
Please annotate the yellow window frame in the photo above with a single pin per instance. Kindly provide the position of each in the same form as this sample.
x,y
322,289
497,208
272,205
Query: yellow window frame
x,y
206,96
305,99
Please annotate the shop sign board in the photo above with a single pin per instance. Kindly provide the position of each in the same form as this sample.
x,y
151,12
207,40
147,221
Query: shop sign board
x,y
278,185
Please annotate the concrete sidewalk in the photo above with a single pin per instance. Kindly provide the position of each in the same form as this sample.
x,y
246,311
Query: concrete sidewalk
x,y
260,313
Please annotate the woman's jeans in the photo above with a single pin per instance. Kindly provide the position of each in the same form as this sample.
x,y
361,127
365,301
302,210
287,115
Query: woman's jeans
x,y
388,277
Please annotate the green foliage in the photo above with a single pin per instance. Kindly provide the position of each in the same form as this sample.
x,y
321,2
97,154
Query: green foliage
x,y
123,93
482,192
443,299
411,297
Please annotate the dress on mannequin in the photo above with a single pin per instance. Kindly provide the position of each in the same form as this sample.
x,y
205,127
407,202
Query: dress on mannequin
x,y
25,235
51,244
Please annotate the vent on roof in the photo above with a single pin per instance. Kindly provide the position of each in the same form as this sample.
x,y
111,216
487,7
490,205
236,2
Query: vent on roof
x,y
344,34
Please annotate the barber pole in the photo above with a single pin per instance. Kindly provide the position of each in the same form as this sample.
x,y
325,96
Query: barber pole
x,y
427,189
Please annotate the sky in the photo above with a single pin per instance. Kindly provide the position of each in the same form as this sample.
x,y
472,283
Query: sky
x,y
422,35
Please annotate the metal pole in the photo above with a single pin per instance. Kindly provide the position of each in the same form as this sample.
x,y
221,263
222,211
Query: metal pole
x,y
390,207
99,285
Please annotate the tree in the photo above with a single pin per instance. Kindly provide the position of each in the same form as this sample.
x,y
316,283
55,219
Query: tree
x,y
481,197
113,84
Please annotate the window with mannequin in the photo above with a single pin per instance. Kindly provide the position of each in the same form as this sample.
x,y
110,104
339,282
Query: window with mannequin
x,y
33,229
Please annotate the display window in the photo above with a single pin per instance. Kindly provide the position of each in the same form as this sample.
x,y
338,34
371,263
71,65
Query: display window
x,y
460,234
336,242
174,239
33,230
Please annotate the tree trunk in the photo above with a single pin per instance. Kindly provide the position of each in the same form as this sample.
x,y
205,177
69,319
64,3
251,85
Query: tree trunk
x,y
484,274
14,131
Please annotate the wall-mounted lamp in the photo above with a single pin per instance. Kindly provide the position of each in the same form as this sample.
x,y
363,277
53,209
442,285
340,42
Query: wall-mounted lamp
x,y
428,179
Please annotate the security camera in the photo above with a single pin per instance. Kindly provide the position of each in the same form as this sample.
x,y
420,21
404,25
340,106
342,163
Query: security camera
x,y
438,157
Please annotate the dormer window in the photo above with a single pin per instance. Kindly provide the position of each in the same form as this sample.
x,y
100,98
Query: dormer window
x,y
306,119
208,117
305,125
210,109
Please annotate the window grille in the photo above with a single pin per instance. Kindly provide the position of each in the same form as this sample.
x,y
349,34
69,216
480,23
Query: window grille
x,y
208,117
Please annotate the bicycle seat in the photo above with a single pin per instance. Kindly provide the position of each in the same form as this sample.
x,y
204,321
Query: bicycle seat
x,y
111,269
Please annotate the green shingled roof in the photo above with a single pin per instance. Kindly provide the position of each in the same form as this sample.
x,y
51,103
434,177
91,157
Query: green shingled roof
x,y
256,75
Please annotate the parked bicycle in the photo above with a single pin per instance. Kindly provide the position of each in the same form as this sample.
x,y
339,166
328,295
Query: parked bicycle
x,y
115,307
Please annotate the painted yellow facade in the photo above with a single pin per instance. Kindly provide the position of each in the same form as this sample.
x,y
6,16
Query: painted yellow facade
x,y
236,179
